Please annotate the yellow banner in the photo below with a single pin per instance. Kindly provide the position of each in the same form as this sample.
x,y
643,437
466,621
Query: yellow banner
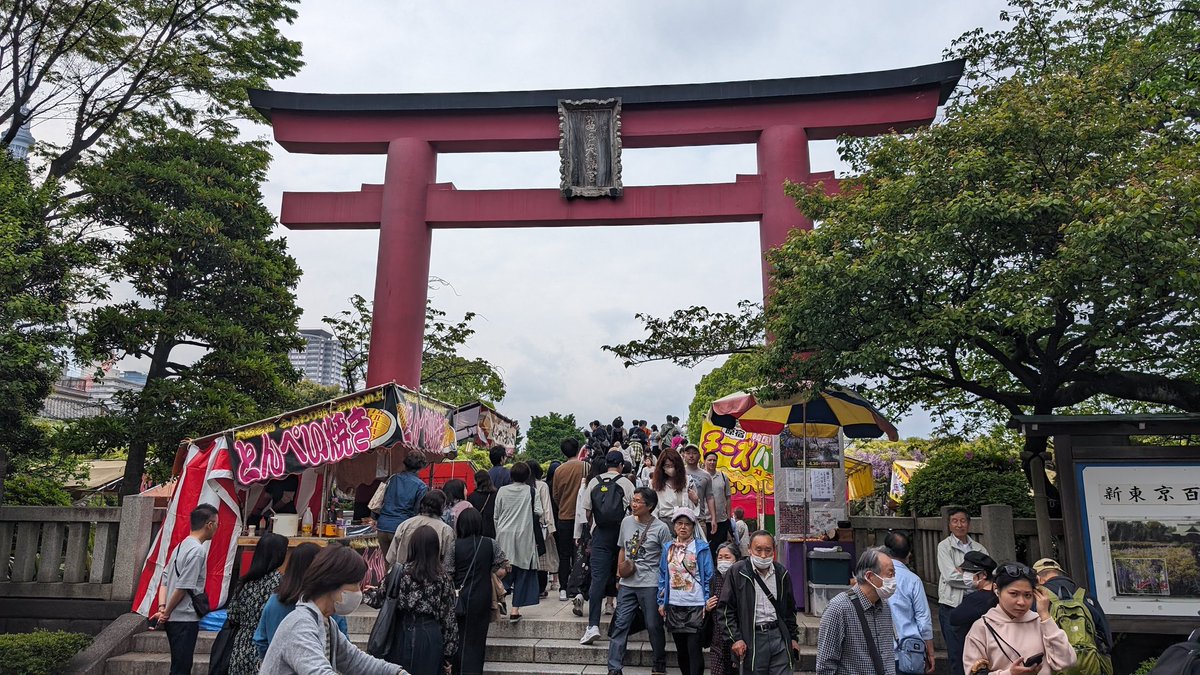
x,y
746,458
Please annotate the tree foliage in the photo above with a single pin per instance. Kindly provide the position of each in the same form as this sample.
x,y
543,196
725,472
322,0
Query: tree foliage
x,y
107,67
545,434
969,474
445,374
1031,252
41,273
741,372
215,312
693,335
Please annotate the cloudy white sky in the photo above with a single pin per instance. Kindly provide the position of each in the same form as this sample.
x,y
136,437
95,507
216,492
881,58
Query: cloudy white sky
x,y
548,299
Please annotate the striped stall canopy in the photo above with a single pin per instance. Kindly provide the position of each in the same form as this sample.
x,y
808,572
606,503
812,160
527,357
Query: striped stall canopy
x,y
820,416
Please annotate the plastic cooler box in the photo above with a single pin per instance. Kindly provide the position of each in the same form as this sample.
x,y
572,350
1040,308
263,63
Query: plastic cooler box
x,y
820,595
828,575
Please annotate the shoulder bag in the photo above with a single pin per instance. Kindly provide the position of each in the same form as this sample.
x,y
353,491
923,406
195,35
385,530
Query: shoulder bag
x,y
539,537
628,567
873,648
199,600
386,632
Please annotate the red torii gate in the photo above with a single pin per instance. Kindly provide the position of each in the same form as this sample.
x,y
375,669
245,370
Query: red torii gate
x,y
779,116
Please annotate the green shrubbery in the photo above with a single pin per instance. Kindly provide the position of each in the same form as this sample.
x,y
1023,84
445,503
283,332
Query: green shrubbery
x,y
41,652
986,471
24,490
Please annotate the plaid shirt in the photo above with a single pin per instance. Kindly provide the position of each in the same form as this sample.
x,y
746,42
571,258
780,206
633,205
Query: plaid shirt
x,y
842,647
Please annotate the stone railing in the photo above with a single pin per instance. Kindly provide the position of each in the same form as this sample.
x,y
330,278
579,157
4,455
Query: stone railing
x,y
74,553
1006,538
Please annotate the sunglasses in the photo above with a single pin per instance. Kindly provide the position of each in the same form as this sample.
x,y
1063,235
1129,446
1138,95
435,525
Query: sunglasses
x,y
1017,571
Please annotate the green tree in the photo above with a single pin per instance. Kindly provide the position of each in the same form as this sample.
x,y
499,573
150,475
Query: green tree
x,y
445,374
739,373
41,273
209,277
108,67
693,335
545,434
969,474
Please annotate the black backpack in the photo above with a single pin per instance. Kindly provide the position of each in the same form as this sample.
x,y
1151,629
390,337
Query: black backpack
x,y
1180,659
608,501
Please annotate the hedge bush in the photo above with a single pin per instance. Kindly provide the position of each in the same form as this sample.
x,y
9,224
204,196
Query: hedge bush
x,y
25,490
969,475
41,652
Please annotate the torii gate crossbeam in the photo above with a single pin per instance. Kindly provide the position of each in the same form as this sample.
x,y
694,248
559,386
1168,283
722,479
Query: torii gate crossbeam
x,y
779,116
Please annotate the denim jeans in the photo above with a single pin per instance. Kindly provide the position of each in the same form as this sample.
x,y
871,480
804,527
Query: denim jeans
x,y
604,569
629,602
181,636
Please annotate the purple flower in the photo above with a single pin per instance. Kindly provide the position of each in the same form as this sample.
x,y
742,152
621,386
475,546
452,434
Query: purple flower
x,y
970,454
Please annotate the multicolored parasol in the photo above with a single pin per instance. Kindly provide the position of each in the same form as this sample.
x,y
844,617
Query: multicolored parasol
x,y
818,417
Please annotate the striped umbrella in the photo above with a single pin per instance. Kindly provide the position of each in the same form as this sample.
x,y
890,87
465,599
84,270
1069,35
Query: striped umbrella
x,y
819,416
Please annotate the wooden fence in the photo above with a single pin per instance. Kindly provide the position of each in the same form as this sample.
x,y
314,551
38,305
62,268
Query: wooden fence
x,y
1006,538
75,553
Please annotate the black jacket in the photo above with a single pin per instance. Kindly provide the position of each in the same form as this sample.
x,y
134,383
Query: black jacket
x,y
971,609
735,610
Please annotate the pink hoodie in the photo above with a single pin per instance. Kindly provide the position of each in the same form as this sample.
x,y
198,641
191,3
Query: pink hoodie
x,y
1025,637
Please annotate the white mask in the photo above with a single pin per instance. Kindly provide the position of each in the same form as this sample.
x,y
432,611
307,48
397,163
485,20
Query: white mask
x,y
724,565
761,563
888,589
349,602
969,579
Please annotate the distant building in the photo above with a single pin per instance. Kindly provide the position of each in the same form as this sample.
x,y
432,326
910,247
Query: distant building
x,y
321,359
74,397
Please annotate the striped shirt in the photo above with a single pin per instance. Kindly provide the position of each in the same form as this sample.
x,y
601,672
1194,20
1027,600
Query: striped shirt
x,y
842,647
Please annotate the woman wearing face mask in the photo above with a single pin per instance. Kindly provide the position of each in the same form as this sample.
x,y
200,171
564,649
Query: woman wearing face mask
x,y
287,596
1012,633
308,641
669,481
978,576
684,575
425,609
720,659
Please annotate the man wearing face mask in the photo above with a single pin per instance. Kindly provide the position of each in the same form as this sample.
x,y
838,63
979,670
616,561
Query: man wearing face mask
x,y
757,611
843,646
978,570
910,611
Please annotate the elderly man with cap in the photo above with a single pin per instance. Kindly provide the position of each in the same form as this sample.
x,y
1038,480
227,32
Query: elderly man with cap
x,y
606,503
978,574
1051,575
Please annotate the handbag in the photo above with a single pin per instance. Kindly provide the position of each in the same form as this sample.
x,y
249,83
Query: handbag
x,y
498,609
222,649
376,503
539,537
872,648
910,656
685,619
385,632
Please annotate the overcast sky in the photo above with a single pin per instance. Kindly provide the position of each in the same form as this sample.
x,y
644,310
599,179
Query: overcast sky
x,y
548,299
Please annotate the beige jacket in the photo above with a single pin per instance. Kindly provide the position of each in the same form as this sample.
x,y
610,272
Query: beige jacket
x,y
1018,638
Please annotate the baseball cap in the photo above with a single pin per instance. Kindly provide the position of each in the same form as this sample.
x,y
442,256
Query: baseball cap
x,y
974,561
1046,564
614,458
688,447
684,512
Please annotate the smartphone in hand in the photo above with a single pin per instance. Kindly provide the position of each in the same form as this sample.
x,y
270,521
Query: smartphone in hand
x,y
1035,660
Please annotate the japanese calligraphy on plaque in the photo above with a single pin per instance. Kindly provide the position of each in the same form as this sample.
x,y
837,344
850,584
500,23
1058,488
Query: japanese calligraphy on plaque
x,y
589,147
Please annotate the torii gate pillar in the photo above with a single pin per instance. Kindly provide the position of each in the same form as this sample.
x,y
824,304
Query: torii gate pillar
x,y
782,156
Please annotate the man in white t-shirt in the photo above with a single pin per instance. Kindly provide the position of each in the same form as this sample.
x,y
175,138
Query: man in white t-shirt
x,y
702,482
642,540
183,577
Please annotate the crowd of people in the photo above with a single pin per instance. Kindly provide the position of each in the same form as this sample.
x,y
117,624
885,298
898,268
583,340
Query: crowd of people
x,y
632,523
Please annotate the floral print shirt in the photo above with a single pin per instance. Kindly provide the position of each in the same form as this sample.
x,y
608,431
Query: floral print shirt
x,y
435,601
245,611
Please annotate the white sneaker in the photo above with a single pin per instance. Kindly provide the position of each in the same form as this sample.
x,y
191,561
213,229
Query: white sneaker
x,y
577,605
608,606
590,635
562,596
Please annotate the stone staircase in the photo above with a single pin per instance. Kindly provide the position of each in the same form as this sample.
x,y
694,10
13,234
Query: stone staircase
x,y
546,640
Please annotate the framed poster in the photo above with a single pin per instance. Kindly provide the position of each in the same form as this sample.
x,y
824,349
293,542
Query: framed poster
x,y
1143,526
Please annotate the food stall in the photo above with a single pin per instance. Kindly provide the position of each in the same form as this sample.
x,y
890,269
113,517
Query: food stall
x,y
283,473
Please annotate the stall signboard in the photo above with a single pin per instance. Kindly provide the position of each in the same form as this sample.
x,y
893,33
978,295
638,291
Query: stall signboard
x,y
1143,526
339,430
477,423
746,458
810,484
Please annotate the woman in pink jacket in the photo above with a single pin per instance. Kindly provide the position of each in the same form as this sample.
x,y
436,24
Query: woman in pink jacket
x,y
1012,634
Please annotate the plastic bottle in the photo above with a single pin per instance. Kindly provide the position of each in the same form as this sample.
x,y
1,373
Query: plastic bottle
x,y
306,523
